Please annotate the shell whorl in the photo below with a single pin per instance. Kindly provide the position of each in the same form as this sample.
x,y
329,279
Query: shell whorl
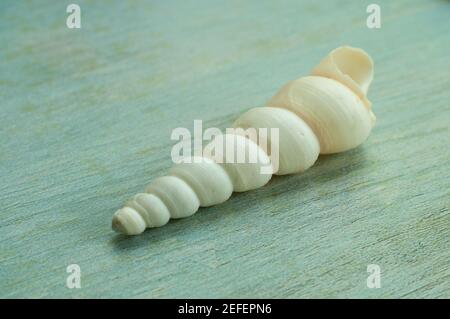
x,y
326,112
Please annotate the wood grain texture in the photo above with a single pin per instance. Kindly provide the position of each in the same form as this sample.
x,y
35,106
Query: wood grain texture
x,y
86,122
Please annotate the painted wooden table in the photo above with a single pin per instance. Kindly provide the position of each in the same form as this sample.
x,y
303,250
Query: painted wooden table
x,y
86,122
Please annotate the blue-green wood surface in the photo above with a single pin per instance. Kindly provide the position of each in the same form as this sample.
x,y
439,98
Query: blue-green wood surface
x,y
86,117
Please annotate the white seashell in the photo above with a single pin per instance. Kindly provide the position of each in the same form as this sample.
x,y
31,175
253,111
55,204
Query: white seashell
x,y
208,179
336,115
351,66
128,221
245,175
298,146
151,208
327,112
176,194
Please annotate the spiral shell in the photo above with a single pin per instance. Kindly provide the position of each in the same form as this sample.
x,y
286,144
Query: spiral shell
x,y
207,179
245,175
336,115
298,146
326,112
